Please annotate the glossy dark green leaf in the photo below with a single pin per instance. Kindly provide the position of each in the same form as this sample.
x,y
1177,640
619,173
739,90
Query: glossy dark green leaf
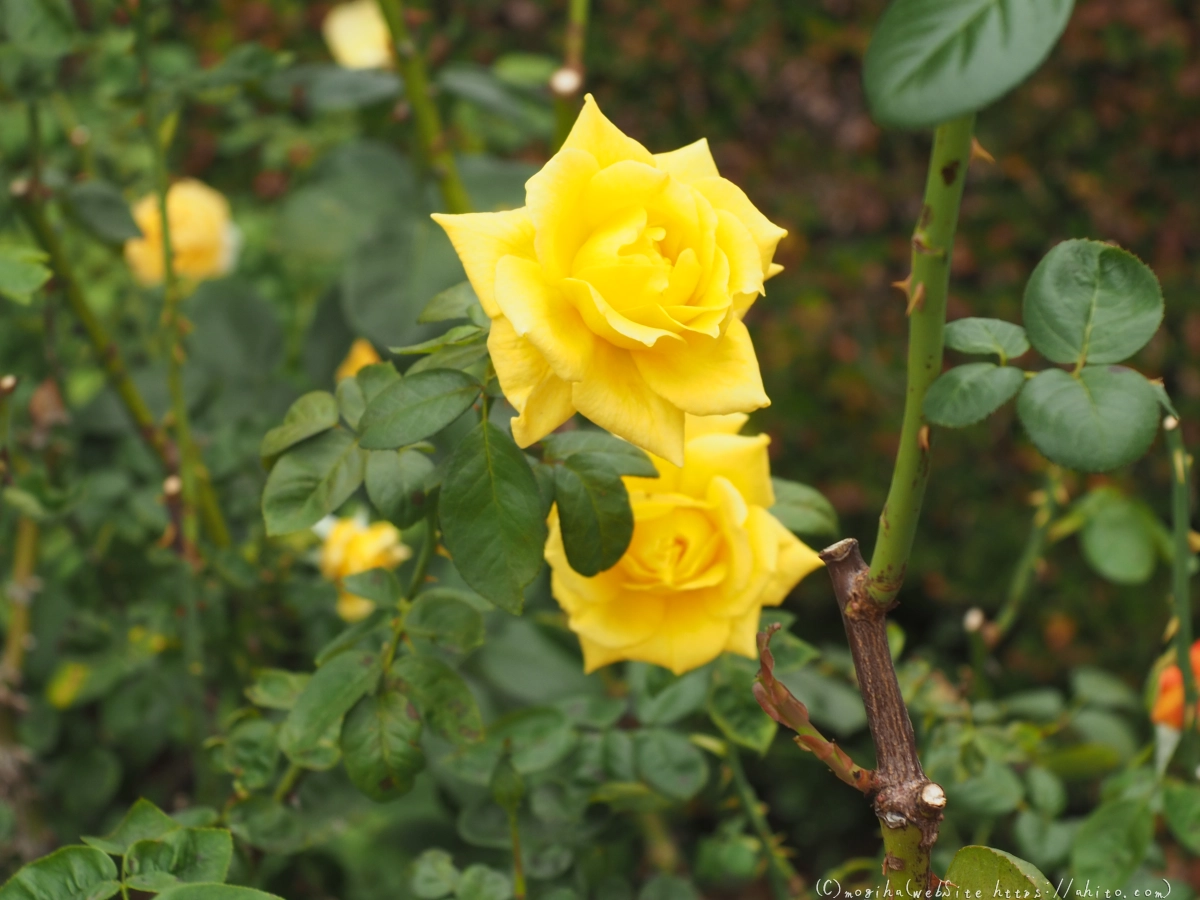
x,y
313,413
251,753
803,509
621,455
1091,302
353,394
732,707
1181,809
69,873
381,745
187,855
329,695
1118,538
977,335
670,763
100,208
445,618
445,702
491,517
214,892
467,357
968,394
277,688
593,512
1103,419
416,407
311,481
143,821
933,60
986,868
452,303
396,484
1112,842
22,271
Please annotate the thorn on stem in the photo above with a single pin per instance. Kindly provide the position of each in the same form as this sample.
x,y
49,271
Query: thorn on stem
x,y
979,152
923,438
905,284
8,384
916,300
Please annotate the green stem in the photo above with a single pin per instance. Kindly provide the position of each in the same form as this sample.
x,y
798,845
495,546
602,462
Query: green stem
x,y
519,888
1180,574
430,134
1035,546
35,143
785,881
933,243
902,847
287,782
661,849
568,81
424,558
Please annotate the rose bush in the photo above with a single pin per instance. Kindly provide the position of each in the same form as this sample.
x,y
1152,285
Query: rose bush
x,y
705,558
618,290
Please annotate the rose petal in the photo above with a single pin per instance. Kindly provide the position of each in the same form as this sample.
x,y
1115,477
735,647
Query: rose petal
x,y
541,314
481,240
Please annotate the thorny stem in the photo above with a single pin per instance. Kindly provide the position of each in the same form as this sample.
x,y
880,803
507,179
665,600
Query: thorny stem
x,y
428,120
932,245
908,804
786,883
567,82
1180,576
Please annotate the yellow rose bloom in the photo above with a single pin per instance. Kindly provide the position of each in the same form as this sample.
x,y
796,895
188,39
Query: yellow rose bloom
x,y
618,290
352,547
357,35
203,237
705,558
362,354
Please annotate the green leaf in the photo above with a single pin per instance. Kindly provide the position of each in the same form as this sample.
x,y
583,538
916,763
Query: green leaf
x,y
661,698
364,632
803,509
492,518
43,30
214,892
251,753
416,407
330,88
480,882
434,875
443,698
968,394
1118,538
732,707
452,303
311,481
143,821
353,394
22,271
396,482
668,887
381,745
1091,302
313,413
380,586
593,712
670,763
457,336
623,456
538,738
70,873
1181,809
1112,842
329,695
996,790
1046,791
985,868
100,208
1096,687
267,824
456,356
594,512
831,702
187,855
445,618
506,785
1045,842
933,60
277,688
1103,419
975,335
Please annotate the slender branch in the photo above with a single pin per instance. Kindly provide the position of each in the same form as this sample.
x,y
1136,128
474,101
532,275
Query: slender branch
x,y
567,83
430,134
932,245
908,804
786,882
287,782
1180,565
514,830
8,384
1035,546
420,570
21,591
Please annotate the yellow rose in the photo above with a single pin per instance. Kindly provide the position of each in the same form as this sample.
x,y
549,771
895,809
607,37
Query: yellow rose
x,y
362,354
204,239
705,558
357,35
618,290
352,547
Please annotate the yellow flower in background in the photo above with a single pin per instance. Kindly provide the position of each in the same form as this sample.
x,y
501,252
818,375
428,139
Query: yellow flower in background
x,y
352,546
362,354
618,290
357,35
705,558
204,239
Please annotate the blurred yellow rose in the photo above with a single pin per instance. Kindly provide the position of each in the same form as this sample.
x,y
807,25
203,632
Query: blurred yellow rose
x,y
350,547
203,237
705,558
362,354
618,290
357,35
